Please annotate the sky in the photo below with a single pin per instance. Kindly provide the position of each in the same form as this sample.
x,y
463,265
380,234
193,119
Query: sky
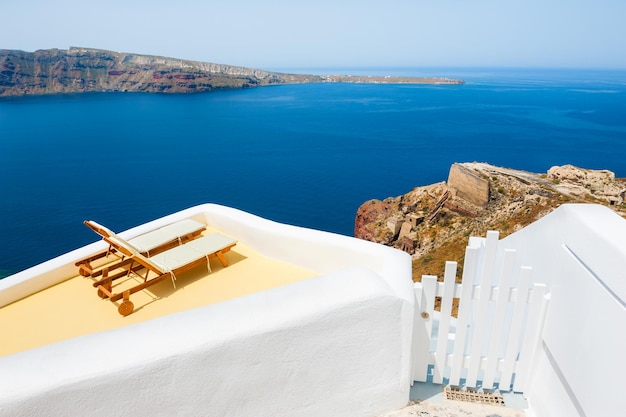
x,y
281,34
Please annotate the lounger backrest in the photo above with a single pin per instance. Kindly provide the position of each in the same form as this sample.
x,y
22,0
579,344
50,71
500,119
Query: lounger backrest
x,y
129,250
99,229
121,245
150,264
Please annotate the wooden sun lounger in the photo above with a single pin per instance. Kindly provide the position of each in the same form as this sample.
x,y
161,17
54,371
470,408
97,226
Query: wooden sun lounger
x,y
163,265
147,244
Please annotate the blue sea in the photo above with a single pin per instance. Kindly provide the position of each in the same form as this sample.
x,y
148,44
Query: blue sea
x,y
307,155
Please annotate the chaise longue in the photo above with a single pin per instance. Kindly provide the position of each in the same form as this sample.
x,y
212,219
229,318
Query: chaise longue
x,y
165,264
147,244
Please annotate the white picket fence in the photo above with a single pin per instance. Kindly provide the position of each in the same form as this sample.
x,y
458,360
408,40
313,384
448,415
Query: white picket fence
x,y
499,323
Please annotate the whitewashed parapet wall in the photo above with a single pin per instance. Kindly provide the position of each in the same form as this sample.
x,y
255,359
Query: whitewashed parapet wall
x,y
579,252
338,344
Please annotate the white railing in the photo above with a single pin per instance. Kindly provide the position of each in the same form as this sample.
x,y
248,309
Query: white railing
x,y
498,328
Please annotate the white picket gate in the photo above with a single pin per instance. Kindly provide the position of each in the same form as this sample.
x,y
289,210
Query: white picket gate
x,y
498,327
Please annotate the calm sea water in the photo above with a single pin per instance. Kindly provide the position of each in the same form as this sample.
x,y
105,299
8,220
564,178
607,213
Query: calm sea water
x,y
307,155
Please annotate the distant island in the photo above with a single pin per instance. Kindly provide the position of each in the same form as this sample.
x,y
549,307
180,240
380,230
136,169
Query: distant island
x,y
77,70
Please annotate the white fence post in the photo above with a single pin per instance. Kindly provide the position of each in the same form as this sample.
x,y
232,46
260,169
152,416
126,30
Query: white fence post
x,y
441,353
504,290
467,284
481,321
515,330
423,325
534,326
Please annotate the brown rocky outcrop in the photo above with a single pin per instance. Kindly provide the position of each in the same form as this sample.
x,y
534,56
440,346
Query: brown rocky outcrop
x,y
601,184
433,222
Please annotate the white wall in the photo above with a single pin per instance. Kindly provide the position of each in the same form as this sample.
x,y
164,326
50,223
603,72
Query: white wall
x,y
590,229
338,344
580,252
327,346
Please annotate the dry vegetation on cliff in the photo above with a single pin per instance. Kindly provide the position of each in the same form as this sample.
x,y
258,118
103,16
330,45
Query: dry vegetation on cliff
x,y
434,222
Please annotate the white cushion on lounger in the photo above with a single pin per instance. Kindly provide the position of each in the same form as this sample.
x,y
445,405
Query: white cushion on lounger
x,y
183,227
148,241
211,243
121,243
151,240
156,267
176,257
192,251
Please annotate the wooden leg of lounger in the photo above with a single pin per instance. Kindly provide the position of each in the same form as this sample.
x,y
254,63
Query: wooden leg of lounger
x,y
222,258
127,306
85,270
106,284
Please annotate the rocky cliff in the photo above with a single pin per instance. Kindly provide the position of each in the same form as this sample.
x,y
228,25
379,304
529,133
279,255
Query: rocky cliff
x,y
433,222
91,70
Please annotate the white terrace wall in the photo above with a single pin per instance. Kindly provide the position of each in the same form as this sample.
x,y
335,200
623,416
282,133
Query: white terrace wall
x,y
329,346
338,344
580,252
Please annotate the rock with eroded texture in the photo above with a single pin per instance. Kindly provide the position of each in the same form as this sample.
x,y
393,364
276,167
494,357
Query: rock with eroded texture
x,y
433,222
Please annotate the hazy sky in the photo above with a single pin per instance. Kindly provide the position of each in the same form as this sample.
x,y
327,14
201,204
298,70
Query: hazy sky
x,y
277,34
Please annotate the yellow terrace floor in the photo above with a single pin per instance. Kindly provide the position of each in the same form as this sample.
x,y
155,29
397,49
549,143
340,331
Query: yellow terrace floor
x,y
73,308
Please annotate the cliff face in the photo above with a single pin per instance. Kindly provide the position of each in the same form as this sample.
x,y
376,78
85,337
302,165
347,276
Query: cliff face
x,y
91,70
434,222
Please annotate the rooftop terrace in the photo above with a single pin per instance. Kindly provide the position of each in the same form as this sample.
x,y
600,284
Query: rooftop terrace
x,y
287,325
72,308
